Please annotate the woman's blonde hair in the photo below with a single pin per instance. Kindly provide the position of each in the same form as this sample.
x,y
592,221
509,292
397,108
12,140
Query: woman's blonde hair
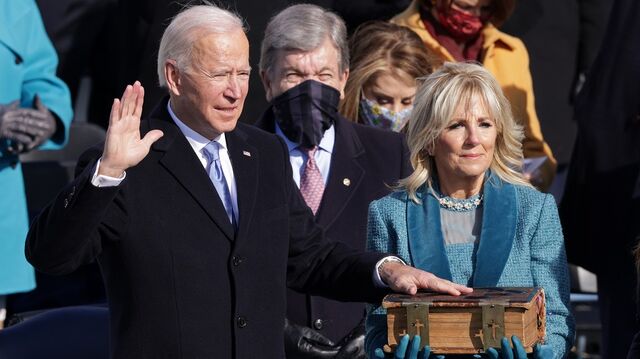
x,y
437,98
377,48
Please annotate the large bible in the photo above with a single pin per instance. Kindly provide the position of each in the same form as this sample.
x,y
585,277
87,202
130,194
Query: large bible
x,y
469,323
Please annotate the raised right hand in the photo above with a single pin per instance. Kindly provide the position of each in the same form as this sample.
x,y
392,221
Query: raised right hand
x,y
123,147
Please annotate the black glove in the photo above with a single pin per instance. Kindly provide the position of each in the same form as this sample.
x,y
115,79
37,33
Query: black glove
x,y
303,342
26,128
352,345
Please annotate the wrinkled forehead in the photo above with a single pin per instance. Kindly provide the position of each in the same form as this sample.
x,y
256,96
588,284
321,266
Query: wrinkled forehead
x,y
210,47
325,55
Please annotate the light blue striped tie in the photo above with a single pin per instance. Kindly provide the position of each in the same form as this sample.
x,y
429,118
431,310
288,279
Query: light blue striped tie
x,y
214,168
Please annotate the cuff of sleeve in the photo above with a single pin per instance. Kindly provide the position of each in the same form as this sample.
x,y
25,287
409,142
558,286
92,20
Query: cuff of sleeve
x,y
105,181
376,273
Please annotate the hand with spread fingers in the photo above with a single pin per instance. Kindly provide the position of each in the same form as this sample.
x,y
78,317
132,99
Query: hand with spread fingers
x,y
123,147
26,128
406,279
518,352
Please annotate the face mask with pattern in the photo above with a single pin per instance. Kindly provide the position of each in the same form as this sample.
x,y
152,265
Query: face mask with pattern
x,y
378,116
305,111
460,25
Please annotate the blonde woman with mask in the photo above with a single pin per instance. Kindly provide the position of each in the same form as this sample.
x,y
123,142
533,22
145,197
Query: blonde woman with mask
x,y
386,59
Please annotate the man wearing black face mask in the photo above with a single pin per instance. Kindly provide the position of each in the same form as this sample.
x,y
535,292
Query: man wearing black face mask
x,y
339,166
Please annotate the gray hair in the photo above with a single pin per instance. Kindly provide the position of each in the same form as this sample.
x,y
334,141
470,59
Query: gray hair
x,y
186,28
303,27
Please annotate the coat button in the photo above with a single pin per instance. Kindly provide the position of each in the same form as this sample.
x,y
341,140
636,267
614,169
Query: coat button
x,y
241,322
237,260
318,324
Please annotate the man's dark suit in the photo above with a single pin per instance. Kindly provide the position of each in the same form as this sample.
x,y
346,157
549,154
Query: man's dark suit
x,y
180,282
364,161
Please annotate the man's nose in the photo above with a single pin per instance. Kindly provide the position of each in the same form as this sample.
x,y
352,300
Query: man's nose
x,y
234,89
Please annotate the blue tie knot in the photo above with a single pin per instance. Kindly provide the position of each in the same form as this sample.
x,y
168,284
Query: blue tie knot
x,y
212,150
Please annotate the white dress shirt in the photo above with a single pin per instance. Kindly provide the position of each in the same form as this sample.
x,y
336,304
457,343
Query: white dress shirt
x,y
298,158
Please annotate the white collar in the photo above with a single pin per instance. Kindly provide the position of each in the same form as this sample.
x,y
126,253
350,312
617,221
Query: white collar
x,y
196,140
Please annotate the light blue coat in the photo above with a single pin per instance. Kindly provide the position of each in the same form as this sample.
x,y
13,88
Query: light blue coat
x,y
521,245
27,67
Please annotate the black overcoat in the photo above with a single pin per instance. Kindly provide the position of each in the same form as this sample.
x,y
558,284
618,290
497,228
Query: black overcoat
x,y
181,282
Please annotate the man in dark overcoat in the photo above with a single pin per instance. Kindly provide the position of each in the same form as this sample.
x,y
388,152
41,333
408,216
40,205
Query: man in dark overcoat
x,y
358,163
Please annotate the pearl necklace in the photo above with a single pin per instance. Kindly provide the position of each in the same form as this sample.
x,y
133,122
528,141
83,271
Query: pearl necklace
x,y
461,205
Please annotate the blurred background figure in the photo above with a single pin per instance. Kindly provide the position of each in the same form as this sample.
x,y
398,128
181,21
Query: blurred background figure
x,y
386,60
35,112
465,30
562,38
601,205
634,351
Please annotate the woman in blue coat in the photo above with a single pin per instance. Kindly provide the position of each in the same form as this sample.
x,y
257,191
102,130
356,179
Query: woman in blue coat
x,y
466,213
35,112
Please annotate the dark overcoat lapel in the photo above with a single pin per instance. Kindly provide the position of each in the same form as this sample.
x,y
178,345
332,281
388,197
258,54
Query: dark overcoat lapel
x,y
345,176
244,159
426,243
179,159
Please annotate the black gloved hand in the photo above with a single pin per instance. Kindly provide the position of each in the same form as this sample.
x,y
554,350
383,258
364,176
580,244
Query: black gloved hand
x,y
303,342
26,128
352,345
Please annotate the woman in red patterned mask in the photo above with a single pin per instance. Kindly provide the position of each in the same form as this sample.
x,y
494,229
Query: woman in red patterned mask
x,y
466,30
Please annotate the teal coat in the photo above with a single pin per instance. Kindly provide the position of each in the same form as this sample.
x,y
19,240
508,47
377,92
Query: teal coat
x,y
27,67
521,245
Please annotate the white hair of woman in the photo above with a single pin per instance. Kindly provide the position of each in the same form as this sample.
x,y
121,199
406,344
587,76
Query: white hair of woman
x,y
437,98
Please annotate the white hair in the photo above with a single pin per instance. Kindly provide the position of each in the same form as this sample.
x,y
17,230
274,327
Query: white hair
x,y
186,28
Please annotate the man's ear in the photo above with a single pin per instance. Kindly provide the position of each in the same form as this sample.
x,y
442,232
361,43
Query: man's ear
x,y
172,75
343,82
266,82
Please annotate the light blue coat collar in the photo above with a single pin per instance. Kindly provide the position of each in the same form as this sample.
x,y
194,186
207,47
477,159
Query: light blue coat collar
x,y
500,213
